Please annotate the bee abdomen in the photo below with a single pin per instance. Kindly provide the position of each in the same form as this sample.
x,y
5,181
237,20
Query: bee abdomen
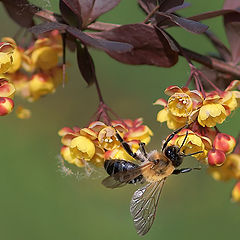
x,y
114,166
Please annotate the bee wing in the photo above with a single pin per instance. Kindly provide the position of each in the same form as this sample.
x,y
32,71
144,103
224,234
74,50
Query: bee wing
x,y
122,178
144,205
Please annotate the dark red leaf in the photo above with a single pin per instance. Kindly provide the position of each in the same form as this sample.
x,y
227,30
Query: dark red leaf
x,y
174,9
147,5
91,9
21,11
113,46
232,28
46,27
168,4
164,5
189,25
86,64
71,12
150,47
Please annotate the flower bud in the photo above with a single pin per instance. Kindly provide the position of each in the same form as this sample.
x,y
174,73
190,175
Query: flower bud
x,y
236,193
216,157
224,142
7,89
6,105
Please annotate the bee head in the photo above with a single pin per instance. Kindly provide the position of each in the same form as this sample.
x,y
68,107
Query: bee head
x,y
173,153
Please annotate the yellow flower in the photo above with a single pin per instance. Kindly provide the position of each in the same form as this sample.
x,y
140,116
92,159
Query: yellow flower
x,y
180,104
6,56
98,158
40,85
194,143
82,148
236,193
45,58
142,133
16,55
212,111
107,138
120,152
230,169
173,122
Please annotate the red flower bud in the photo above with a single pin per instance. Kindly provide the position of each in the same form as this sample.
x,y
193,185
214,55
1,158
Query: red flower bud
x,y
216,157
6,105
224,142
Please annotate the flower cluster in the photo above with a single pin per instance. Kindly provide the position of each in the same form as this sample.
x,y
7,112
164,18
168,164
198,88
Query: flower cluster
x,y
201,111
7,89
98,141
34,71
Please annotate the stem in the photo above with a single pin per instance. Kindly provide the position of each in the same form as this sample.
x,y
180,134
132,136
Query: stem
x,y
151,14
99,91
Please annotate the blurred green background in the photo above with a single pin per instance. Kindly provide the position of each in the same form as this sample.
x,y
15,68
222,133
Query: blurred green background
x,y
37,202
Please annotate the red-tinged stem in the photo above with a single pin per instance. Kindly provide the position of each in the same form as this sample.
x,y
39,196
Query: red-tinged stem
x,y
151,14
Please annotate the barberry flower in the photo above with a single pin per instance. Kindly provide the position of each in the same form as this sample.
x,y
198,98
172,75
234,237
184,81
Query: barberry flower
x,y
216,157
120,152
236,192
16,55
82,147
229,170
6,56
7,89
224,142
6,105
39,85
181,101
212,111
193,143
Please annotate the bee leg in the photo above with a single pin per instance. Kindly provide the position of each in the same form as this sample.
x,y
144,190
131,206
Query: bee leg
x,y
172,135
142,149
184,170
128,149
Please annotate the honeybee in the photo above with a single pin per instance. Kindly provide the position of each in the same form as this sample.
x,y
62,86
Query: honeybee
x,y
154,169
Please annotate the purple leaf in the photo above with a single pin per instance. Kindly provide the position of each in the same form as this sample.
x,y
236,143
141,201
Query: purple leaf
x,y
46,27
189,25
168,4
174,9
91,9
21,11
86,64
147,5
71,12
164,5
150,47
102,44
232,28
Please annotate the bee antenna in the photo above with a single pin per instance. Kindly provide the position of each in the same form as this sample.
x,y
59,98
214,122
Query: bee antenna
x,y
187,155
184,140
